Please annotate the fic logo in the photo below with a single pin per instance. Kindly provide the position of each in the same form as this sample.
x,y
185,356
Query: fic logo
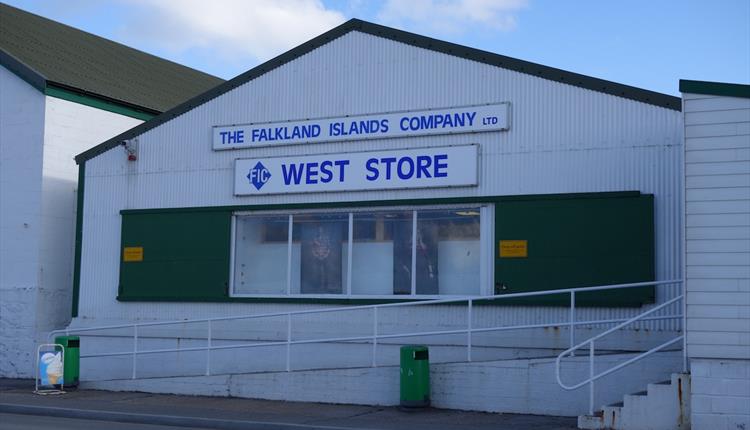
x,y
259,175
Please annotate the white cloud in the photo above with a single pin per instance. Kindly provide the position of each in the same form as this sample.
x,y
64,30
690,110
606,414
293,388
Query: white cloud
x,y
233,29
451,16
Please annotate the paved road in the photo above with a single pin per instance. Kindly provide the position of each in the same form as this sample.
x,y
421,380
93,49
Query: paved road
x,y
92,409
31,422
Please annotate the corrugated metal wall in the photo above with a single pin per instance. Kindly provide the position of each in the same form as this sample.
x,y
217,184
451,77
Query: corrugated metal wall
x,y
563,139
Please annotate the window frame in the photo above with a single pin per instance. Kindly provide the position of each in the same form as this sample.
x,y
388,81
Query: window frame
x,y
486,246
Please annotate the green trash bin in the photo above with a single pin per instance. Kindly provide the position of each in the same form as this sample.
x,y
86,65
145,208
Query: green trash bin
x,y
415,376
71,359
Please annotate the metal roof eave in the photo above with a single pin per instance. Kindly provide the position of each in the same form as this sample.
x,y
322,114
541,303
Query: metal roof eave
x,y
538,70
715,88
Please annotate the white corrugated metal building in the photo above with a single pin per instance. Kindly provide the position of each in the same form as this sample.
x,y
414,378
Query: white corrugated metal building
x,y
374,165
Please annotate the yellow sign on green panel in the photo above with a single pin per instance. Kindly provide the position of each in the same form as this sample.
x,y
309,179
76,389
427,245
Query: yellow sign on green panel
x,y
132,254
514,248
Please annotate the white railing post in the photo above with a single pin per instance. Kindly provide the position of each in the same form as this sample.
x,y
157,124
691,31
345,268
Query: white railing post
x,y
135,349
208,350
572,326
591,378
468,332
374,337
288,342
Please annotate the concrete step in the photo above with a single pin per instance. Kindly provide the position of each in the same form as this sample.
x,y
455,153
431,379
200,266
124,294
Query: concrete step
x,y
663,406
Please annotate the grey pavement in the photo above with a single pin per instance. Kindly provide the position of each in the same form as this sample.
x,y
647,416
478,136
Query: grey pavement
x,y
154,411
34,422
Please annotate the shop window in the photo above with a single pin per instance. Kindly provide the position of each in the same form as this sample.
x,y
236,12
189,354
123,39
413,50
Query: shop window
x,y
322,238
381,253
447,252
388,255
261,249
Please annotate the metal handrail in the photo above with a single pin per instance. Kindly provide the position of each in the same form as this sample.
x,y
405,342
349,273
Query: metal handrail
x,y
384,305
594,377
375,337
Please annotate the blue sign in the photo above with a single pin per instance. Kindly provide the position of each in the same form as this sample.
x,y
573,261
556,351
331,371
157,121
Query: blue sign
x,y
259,175
447,166
468,119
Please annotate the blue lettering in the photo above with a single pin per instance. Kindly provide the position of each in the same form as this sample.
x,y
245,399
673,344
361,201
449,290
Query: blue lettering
x,y
315,130
326,172
438,166
415,123
447,121
471,116
255,134
423,162
294,174
401,173
374,173
388,161
384,126
460,120
312,172
232,136
341,164
404,120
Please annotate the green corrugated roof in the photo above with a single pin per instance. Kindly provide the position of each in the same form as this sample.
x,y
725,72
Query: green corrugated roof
x,y
45,52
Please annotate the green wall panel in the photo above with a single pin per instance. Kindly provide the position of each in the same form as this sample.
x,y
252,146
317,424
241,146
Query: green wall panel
x,y
574,240
185,255
576,243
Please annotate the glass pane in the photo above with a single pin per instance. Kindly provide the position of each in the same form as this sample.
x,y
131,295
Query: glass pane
x,y
447,252
322,240
260,259
381,253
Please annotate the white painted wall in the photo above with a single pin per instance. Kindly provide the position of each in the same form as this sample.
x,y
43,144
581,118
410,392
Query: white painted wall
x,y
717,194
39,137
720,397
21,139
563,139
717,236
69,129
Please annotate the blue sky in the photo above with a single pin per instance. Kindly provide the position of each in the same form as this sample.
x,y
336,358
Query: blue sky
x,y
649,44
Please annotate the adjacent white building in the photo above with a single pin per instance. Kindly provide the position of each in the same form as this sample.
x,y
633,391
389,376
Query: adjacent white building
x,y
62,91
717,251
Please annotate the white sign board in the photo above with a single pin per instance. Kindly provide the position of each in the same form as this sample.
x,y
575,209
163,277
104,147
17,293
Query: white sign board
x,y
469,119
448,166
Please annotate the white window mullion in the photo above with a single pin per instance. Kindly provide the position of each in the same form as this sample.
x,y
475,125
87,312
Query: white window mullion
x,y
349,256
487,246
414,253
233,250
289,258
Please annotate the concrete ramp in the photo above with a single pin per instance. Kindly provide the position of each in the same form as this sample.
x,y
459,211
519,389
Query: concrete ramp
x,y
524,386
